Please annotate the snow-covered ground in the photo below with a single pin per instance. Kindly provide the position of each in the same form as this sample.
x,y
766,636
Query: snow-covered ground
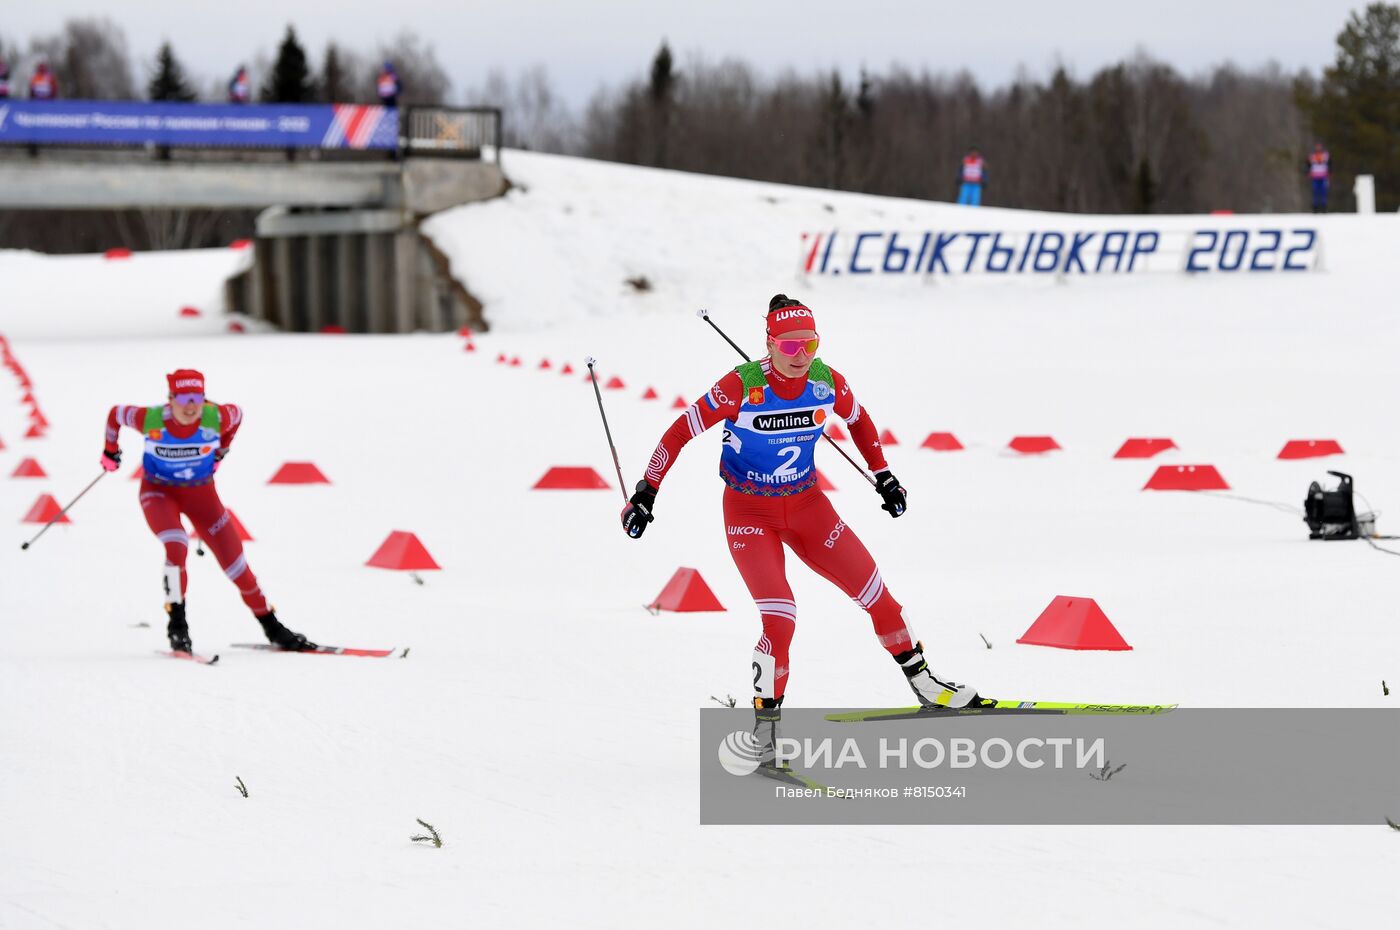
x,y
543,721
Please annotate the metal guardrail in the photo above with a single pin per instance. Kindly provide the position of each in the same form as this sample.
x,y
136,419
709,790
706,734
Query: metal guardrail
x,y
454,132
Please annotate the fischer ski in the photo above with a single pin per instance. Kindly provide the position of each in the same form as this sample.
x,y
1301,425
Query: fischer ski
x,y
990,707
321,650
189,656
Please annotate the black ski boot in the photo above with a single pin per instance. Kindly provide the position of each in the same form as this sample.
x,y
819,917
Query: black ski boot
x,y
280,636
177,629
767,716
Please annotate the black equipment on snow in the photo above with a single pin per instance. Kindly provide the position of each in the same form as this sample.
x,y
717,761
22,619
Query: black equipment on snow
x,y
1331,514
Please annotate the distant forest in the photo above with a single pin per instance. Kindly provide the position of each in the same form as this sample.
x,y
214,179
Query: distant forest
x,y
1135,137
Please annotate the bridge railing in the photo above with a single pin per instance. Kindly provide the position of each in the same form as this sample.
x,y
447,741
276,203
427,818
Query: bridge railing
x,y
460,132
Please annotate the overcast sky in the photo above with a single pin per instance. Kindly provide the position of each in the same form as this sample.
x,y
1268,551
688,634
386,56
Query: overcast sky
x,y
588,44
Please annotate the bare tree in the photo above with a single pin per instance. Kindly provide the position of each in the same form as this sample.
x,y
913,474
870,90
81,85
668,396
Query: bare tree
x,y
536,117
1256,140
1135,136
89,58
340,78
424,81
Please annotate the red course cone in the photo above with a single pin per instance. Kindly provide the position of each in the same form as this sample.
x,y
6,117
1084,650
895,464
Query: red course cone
x,y
887,438
942,442
515,362
567,369
1186,478
465,331
234,524
544,364
117,253
138,473
35,431
237,327
1033,445
403,552
1074,623
240,243
298,473
650,394
44,510
615,384
29,468
571,478
2,445
685,592
333,329
1309,448
679,403
834,430
1143,448
501,358
469,347
822,482
190,311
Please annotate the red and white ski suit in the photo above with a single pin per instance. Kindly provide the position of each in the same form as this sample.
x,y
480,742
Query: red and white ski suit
x,y
757,526
162,503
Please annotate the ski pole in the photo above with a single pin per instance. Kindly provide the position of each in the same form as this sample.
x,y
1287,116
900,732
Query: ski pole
x,y
705,315
593,376
60,514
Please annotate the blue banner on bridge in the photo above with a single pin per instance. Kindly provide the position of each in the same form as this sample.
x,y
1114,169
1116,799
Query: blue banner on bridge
x,y
113,122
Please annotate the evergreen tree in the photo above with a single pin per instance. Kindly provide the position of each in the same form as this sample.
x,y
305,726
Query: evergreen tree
x,y
1355,111
335,83
290,79
836,117
1144,188
662,93
168,82
865,96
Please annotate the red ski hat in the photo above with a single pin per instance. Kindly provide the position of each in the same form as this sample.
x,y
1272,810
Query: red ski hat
x,y
786,315
185,381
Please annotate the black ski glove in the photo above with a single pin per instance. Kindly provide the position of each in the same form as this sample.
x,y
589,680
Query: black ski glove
x,y
896,499
637,514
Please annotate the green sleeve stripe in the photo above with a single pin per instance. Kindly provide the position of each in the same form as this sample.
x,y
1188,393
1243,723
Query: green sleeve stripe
x,y
209,418
819,372
154,421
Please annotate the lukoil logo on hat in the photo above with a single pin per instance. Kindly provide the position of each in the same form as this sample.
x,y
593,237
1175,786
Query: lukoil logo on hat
x,y
185,381
787,315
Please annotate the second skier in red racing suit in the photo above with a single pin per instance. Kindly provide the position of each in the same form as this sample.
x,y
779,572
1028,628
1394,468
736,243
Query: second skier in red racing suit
x,y
774,411
185,440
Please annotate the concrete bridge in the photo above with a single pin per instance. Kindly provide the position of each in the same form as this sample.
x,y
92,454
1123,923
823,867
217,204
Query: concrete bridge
x,y
337,241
